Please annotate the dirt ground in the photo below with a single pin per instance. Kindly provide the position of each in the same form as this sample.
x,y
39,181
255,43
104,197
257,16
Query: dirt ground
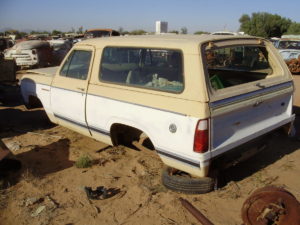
x,y
49,189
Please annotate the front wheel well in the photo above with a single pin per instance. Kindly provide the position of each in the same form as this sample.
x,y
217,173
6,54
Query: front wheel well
x,y
125,135
33,102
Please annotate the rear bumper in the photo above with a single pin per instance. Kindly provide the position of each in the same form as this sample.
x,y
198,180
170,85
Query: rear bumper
x,y
248,149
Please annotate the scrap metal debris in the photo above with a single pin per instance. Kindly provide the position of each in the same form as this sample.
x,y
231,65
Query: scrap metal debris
x,y
13,145
38,211
294,65
271,206
33,200
100,192
195,212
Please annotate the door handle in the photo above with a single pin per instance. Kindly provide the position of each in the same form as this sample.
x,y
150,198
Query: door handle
x,y
81,89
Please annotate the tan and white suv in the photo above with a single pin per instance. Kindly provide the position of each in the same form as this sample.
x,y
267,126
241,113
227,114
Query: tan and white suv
x,y
195,99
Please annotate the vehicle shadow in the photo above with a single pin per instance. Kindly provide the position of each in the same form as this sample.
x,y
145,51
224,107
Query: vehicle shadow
x,y
14,121
278,145
44,160
10,96
296,110
39,162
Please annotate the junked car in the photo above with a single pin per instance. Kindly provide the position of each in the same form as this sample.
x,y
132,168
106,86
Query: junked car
x,y
33,53
60,49
292,59
288,54
5,43
199,101
290,51
287,43
95,33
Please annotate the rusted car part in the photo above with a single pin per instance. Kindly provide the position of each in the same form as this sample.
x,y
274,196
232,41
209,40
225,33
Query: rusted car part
x,y
294,65
271,206
195,212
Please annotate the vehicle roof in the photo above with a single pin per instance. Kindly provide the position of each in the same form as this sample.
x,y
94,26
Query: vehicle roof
x,y
31,44
166,40
289,39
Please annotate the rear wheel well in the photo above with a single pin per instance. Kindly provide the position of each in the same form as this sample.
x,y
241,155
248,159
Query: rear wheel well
x,y
124,135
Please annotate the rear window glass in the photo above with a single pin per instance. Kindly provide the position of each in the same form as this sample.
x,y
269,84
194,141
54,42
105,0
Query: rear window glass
x,y
159,69
289,44
235,65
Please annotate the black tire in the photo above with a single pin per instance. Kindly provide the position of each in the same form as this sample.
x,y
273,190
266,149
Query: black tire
x,y
187,184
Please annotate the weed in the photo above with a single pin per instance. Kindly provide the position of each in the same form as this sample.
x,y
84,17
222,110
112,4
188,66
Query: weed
x,y
84,162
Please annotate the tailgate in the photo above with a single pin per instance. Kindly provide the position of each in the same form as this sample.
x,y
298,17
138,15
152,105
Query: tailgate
x,y
239,119
250,91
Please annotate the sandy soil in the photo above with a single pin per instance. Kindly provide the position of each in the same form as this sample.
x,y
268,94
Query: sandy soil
x,y
49,182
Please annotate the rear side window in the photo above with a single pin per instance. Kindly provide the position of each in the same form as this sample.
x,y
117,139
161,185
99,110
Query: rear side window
x,y
235,65
77,65
159,69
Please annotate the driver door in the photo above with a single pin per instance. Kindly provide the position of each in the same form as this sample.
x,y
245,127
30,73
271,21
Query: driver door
x,y
69,89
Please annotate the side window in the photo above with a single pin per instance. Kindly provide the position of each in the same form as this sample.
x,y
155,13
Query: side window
x,y
159,69
77,65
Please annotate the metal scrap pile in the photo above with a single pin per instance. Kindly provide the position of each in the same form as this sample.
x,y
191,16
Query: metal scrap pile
x,y
294,65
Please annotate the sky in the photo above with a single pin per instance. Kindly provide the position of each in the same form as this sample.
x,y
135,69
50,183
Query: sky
x,y
195,15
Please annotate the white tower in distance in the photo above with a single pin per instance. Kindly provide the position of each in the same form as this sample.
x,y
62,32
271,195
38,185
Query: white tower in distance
x,y
161,27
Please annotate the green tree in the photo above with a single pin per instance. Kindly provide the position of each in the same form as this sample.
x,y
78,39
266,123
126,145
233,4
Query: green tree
x,y
138,32
183,30
18,34
22,35
56,32
294,28
174,32
201,32
264,24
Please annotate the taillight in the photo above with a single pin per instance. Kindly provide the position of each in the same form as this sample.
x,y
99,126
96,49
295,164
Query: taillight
x,y
201,137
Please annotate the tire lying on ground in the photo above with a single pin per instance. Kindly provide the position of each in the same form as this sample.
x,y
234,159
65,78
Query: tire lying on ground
x,y
182,182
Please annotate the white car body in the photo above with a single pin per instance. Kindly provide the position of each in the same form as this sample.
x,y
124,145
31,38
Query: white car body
x,y
30,53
